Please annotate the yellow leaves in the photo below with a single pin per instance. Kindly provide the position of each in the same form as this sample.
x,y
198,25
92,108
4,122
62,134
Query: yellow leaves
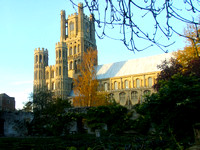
x,y
85,87
190,51
186,55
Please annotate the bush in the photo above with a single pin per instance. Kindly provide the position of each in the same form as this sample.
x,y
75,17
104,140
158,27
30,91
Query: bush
x,y
114,116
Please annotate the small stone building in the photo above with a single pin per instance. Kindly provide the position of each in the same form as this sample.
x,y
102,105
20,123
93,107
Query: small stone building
x,y
7,103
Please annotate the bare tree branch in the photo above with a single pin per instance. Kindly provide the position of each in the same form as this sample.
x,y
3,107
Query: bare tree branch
x,y
126,17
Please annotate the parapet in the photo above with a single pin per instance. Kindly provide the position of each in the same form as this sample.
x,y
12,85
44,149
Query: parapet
x,y
61,44
38,49
72,15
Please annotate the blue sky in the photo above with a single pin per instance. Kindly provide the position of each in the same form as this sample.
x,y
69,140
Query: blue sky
x,y
29,24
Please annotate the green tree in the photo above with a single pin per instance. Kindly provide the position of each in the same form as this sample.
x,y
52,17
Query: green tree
x,y
50,117
168,69
28,106
113,115
175,106
41,99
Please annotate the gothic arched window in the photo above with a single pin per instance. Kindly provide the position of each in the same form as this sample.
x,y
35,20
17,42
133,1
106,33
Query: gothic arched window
x,y
75,65
71,26
63,55
137,83
78,48
75,50
59,70
40,58
59,53
70,51
149,82
134,95
115,85
106,86
53,86
36,59
70,65
122,98
126,84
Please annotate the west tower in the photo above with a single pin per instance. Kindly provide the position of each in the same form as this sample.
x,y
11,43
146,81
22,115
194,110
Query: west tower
x,y
78,31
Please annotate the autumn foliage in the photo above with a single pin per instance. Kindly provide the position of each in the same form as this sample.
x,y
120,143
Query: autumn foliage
x,y
85,87
190,51
184,62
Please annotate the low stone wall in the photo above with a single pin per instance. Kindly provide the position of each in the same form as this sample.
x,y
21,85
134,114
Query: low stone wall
x,y
15,123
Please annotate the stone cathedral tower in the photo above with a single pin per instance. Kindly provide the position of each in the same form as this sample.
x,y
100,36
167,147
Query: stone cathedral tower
x,y
40,62
81,36
77,35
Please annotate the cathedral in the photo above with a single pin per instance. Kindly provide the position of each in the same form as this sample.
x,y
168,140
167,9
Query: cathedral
x,y
127,82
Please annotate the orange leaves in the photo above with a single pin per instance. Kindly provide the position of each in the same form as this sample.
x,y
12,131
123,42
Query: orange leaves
x,y
192,50
85,87
186,55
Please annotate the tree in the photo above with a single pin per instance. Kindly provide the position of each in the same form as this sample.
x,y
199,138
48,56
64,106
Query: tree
x,y
168,69
85,87
50,117
113,115
172,67
192,50
192,34
28,106
41,99
174,107
185,61
130,17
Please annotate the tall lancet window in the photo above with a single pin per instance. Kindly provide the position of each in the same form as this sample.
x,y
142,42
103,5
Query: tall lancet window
x,y
71,26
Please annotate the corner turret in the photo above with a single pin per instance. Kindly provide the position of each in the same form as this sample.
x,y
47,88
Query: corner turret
x,y
40,62
62,26
62,82
80,19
